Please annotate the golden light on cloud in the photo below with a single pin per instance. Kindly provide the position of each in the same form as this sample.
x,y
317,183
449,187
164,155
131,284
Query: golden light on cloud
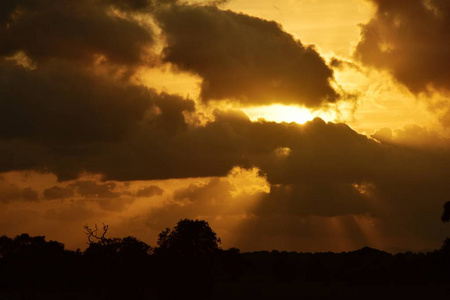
x,y
382,102
329,24
21,59
286,113
248,181
165,80
282,152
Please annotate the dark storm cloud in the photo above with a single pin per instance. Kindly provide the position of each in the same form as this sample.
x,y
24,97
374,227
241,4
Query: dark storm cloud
x,y
65,118
63,102
319,152
409,38
74,30
242,57
62,112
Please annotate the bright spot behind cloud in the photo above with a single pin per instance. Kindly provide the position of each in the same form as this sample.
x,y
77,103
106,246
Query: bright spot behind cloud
x,y
286,113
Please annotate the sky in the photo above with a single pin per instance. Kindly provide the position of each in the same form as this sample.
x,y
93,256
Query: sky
x,y
297,125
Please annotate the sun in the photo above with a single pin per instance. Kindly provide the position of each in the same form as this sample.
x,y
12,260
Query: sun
x,y
287,113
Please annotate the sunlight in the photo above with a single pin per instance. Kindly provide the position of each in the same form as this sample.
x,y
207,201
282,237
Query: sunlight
x,y
285,113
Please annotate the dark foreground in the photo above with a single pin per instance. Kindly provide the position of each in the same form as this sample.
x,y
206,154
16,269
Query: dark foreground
x,y
32,268
257,290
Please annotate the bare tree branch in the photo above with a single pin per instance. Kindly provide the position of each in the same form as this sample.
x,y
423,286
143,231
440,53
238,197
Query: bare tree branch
x,y
92,233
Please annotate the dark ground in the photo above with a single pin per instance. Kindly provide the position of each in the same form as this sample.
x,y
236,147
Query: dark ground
x,y
32,268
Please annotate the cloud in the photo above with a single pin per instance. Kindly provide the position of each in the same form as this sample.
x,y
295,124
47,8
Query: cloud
x,y
318,152
410,40
83,32
413,136
339,63
196,200
63,102
57,192
133,5
66,113
149,191
93,189
321,199
244,58
329,171
222,201
11,192
110,196
383,135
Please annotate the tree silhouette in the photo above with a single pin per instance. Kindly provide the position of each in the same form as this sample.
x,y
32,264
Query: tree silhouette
x,y
188,238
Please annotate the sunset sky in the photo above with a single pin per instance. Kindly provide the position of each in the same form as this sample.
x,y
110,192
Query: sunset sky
x,y
299,125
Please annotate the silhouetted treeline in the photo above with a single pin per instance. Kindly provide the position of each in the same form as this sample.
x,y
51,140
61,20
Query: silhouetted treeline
x,y
188,263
